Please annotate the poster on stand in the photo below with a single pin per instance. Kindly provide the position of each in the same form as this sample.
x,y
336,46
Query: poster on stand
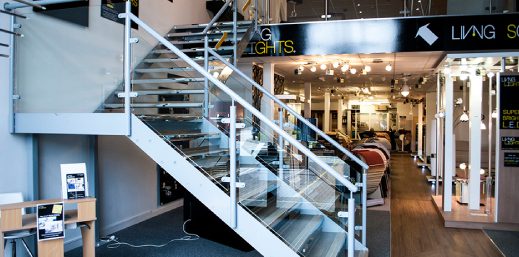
x,y
110,9
74,183
50,220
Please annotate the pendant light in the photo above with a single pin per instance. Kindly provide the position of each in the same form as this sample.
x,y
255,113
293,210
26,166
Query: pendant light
x,y
313,69
464,117
353,71
323,66
389,67
405,90
345,67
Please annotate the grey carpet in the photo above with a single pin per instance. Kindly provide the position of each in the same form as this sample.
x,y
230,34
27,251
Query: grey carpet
x,y
168,226
506,241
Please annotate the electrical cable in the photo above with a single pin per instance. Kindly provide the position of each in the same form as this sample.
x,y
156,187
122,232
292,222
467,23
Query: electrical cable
x,y
114,243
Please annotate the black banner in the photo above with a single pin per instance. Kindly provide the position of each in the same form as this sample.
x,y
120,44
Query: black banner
x,y
442,33
110,9
74,12
509,90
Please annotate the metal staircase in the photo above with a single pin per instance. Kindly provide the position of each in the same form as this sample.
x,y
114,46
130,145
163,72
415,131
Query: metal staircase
x,y
186,107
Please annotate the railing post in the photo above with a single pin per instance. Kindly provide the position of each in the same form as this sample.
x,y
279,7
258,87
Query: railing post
x,y
206,80
235,31
266,11
351,226
232,169
127,65
255,15
11,77
364,205
281,147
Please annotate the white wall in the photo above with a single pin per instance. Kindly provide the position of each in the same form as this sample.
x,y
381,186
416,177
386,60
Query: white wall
x,y
67,68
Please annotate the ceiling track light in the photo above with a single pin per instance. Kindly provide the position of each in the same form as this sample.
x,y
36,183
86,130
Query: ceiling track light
x,y
335,65
323,66
353,71
389,67
367,68
313,68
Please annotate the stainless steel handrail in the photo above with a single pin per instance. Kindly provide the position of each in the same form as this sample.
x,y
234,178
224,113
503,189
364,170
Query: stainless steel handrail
x,y
290,110
245,104
217,16
12,6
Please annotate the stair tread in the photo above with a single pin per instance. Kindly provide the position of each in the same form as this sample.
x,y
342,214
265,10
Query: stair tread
x,y
210,32
170,70
175,117
297,230
178,104
272,215
216,24
192,50
204,150
171,80
169,59
167,92
186,134
328,244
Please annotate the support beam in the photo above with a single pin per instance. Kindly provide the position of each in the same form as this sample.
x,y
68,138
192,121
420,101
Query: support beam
x,y
420,129
308,100
326,116
449,144
267,105
475,99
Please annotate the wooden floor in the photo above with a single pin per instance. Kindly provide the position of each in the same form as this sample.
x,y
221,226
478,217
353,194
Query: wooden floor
x,y
416,228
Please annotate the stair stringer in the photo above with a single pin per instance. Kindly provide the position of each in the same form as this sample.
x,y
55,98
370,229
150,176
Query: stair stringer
x,y
249,228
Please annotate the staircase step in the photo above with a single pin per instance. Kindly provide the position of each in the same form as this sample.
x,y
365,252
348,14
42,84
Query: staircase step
x,y
157,105
298,230
192,50
171,117
167,70
159,81
167,92
272,215
183,135
328,244
216,24
170,60
202,151
211,32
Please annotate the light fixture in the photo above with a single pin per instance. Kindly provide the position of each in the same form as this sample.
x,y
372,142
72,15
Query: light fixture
x,y
345,67
216,74
447,70
494,114
301,68
491,74
459,101
335,65
483,126
405,90
371,97
463,166
389,67
464,75
353,71
464,117
481,172
313,69
323,66
367,68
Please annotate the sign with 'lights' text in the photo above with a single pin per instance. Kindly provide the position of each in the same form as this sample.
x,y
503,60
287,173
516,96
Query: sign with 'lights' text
x,y
509,109
413,34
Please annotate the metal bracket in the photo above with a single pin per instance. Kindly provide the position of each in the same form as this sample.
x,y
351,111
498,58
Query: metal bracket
x,y
16,97
134,40
123,94
121,15
238,184
342,214
358,228
238,125
358,184
17,26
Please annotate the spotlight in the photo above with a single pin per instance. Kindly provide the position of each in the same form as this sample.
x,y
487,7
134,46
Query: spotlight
x,y
447,70
335,65
298,72
323,66
464,117
313,69
491,74
389,67
301,68
494,114
345,67
483,126
367,68
353,71
463,166
216,74
464,76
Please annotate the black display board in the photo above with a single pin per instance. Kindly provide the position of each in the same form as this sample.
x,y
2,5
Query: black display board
x,y
441,33
509,107
511,159
110,9
74,12
50,220
509,143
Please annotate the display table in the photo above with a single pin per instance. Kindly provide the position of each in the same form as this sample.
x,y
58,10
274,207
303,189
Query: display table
x,y
81,211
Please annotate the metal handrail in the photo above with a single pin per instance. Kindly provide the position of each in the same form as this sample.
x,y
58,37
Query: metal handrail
x,y
23,4
217,16
245,104
290,110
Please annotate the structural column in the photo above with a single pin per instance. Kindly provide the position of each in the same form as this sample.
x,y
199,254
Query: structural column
x,y
450,165
340,108
476,96
326,116
308,100
420,129
267,105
